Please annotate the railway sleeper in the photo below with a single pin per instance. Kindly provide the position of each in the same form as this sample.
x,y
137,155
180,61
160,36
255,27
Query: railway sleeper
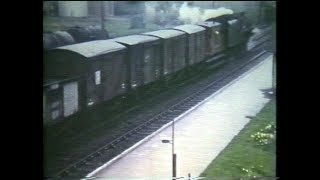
x,y
145,133
128,134
112,146
82,172
175,110
183,109
193,102
143,126
71,176
151,130
164,115
155,127
164,120
138,136
105,158
94,159
198,99
175,114
179,110
122,148
156,118
152,121
186,107
106,149
64,173
148,122
117,140
170,116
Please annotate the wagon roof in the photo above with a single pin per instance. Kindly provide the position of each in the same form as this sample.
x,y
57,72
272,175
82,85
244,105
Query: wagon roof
x,y
165,33
135,39
48,82
209,24
189,28
94,48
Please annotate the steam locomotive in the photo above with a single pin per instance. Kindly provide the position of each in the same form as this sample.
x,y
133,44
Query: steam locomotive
x,y
80,76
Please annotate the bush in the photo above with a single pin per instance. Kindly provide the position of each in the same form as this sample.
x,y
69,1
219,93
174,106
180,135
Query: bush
x,y
265,136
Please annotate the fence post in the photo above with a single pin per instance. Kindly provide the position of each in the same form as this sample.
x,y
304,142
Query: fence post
x,y
274,72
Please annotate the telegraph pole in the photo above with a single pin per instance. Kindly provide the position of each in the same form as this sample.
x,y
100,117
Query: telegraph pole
x,y
261,4
102,10
174,156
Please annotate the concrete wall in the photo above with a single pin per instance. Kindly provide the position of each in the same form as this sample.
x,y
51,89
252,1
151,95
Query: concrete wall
x,y
94,8
129,7
73,8
50,8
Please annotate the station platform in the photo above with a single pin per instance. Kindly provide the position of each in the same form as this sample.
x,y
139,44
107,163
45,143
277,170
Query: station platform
x,y
200,134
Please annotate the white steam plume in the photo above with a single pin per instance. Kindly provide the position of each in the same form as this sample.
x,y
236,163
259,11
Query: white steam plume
x,y
150,11
194,15
161,12
189,14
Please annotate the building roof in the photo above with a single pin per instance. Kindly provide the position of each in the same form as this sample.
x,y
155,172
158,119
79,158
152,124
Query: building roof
x,y
232,21
50,81
94,48
189,28
209,24
165,33
135,39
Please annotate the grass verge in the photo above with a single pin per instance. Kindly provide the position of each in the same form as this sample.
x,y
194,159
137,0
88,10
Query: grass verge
x,y
252,153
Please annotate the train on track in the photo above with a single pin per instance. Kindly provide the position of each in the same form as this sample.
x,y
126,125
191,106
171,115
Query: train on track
x,y
80,76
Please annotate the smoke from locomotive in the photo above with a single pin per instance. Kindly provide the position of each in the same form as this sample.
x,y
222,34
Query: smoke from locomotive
x,y
195,15
169,11
164,13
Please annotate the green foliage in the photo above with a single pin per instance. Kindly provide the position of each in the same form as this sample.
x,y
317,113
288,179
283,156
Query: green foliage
x,y
265,136
246,157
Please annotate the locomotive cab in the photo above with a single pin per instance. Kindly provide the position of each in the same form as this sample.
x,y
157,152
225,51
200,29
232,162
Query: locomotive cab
x,y
236,28
214,37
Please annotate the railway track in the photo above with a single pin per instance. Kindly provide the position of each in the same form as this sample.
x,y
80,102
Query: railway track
x,y
105,153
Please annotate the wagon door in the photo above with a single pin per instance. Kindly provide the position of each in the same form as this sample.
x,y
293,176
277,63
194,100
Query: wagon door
x,y
114,80
94,83
121,72
149,65
168,61
202,45
70,98
179,54
53,105
192,52
157,60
